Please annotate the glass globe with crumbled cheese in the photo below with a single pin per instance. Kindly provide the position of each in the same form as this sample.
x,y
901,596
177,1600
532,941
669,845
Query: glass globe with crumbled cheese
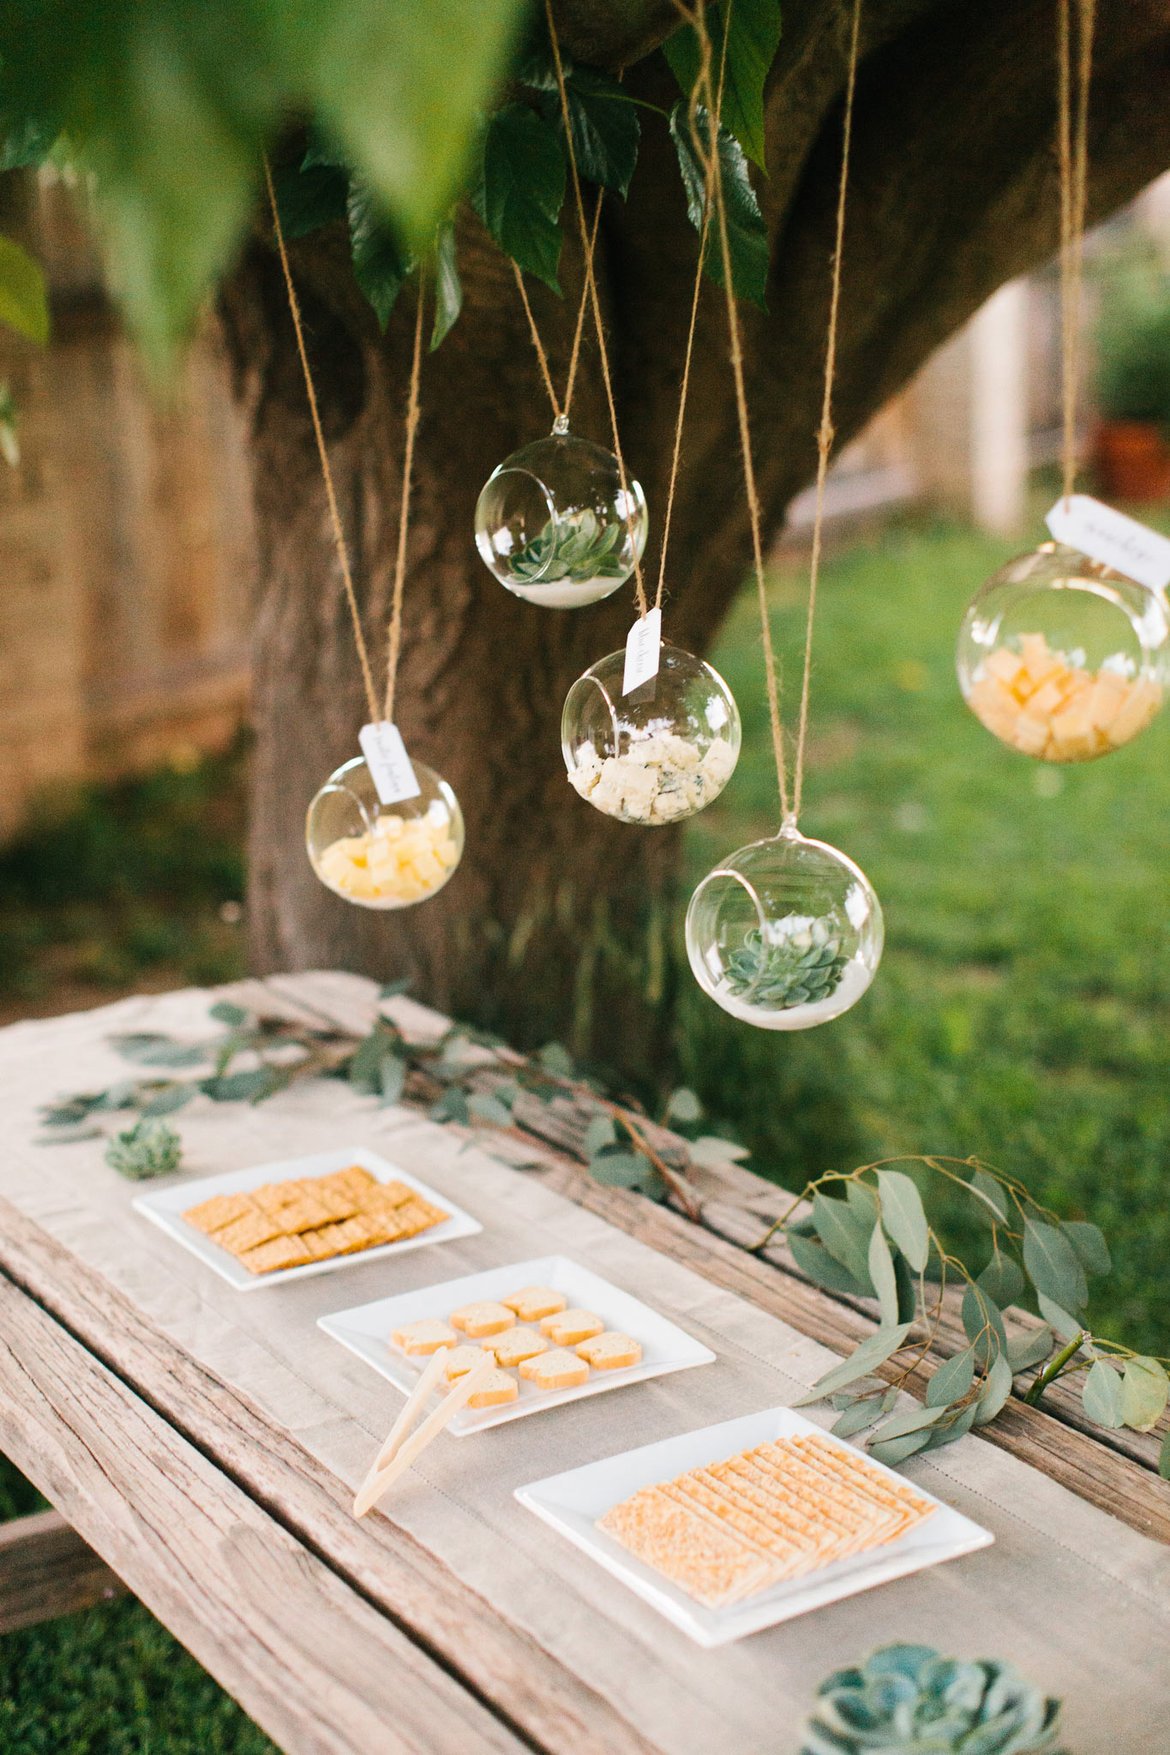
x,y
1063,658
555,525
786,933
383,855
659,754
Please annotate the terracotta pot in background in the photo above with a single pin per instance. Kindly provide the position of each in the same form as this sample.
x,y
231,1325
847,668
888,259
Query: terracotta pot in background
x,y
1132,460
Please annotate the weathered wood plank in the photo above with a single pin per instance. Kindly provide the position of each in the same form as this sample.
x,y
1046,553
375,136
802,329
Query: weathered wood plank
x,y
46,1570
318,1668
497,1660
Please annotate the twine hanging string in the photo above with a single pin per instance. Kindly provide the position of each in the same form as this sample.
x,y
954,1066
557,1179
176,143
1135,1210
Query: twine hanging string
x,y
561,409
1072,134
789,802
394,635
594,299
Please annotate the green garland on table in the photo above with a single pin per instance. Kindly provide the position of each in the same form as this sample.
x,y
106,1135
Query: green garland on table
x,y
864,1234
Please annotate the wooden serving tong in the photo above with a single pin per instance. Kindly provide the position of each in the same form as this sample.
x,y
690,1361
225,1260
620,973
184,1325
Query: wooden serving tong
x,y
403,1446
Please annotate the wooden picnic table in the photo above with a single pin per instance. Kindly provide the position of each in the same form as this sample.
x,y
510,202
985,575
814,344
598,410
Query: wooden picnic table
x,y
203,1446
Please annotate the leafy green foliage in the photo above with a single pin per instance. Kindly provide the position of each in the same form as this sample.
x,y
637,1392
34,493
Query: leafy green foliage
x,y
309,196
23,303
148,1148
907,1698
448,286
9,428
522,188
752,42
378,262
746,234
603,119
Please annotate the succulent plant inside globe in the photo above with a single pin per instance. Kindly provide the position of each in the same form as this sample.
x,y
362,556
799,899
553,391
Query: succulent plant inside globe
x,y
785,933
910,1700
383,855
1063,658
555,525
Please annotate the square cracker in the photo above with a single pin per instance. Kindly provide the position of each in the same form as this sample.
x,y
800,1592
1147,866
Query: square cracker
x,y
213,1215
710,1562
248,1232
278,1253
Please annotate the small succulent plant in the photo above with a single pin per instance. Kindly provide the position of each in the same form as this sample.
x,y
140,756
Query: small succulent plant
x,y
149,1148
910,1700
582,550
802,967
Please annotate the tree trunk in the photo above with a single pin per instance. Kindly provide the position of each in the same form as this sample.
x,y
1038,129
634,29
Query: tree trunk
x,y
559,923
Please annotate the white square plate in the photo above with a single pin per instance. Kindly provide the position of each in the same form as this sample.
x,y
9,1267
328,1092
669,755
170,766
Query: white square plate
x,y
166,1208
573,1502
665,1347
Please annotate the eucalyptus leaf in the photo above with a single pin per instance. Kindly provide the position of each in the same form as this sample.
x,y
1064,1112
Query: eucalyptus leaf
x,y
600,1133
684,1106
391,1077
881,1272
813,1259
907,1288
485,1107
866,1357
1003,1280
995,1392
151,1049
1052,1265
166,1101
992,1195
1066,1326
845,1234
245,1087
225,1011
622,1170
983,1324
892,1451
1101,1395
904,1217
451,1106
952,1380
1144,1389
556,1059
395,989
710,1150
1164,1458
911,1420
1029,1349
856,1417
1090,1245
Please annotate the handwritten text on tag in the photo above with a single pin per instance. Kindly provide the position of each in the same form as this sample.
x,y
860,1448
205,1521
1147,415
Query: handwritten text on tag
x,y
1113,539
388,762
643,651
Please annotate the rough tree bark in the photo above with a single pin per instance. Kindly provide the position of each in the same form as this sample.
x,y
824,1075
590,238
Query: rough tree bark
x,y
558,921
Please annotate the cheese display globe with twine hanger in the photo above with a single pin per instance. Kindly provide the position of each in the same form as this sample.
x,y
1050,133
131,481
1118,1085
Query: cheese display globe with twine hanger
x,y
786,933
383,855
1063,658
656,755
555,525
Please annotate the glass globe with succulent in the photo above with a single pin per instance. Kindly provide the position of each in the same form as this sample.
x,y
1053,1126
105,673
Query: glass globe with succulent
x,y
555,524
910,1700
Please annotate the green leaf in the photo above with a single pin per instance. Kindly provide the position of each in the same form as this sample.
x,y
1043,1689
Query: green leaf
x,y
981,1313
448,286
907,1288
622,1170
451,1106
1164,1458
1101,1395
952,1380
380,266
857,1417
605,126
751,48
845,1234
995,1392
1052,1265
711,1150
149,1049
1090,1245
225,1012
1002,1279
892,1451
488,1108
26,141
395,989
309,196
912,1420
867,1357
391,1077
992,1195
23,303
1144,1388
746,234
881,1272
557,1060
949,1430
245,1087
9,428
684,1106
1065,1325
1030,1349
166,1101
365,1066
522,189
600,1133
813,1259
903,1216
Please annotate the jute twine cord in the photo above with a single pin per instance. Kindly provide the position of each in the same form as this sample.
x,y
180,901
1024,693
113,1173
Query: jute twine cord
x,y
561,409
591,287
1072,135
394,635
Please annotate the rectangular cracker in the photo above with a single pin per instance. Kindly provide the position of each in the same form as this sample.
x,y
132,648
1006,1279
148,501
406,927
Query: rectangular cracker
x,y
782,1554
221,1210
712,1565
898,1497
831,1533
248,1232
277,1253
803,1534
850,1503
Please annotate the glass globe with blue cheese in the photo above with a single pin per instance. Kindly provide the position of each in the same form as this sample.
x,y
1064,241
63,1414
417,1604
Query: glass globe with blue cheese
x,y
555,525
786,933
658,754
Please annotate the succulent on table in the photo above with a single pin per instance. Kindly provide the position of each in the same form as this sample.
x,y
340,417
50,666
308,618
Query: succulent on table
x,y
580,550
800,967
149,1148
910,1700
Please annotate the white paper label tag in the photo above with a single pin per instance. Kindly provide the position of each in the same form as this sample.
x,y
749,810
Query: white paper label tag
x,y
1113,539
643,651
388,762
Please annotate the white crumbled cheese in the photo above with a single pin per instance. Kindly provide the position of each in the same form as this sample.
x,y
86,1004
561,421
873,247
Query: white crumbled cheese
x,y
403,860
660,778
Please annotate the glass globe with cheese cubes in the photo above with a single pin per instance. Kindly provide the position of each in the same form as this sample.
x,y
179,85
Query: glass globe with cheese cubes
x,y
1062,658
383,855
555,525
659,754
786,933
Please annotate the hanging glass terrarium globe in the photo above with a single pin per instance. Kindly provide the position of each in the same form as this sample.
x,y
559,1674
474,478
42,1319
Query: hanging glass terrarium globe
x,y
1063,658
786,933
383,855
555,525
656,755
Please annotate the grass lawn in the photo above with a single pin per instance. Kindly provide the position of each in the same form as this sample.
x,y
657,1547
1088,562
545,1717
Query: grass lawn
x,y
1022,1009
